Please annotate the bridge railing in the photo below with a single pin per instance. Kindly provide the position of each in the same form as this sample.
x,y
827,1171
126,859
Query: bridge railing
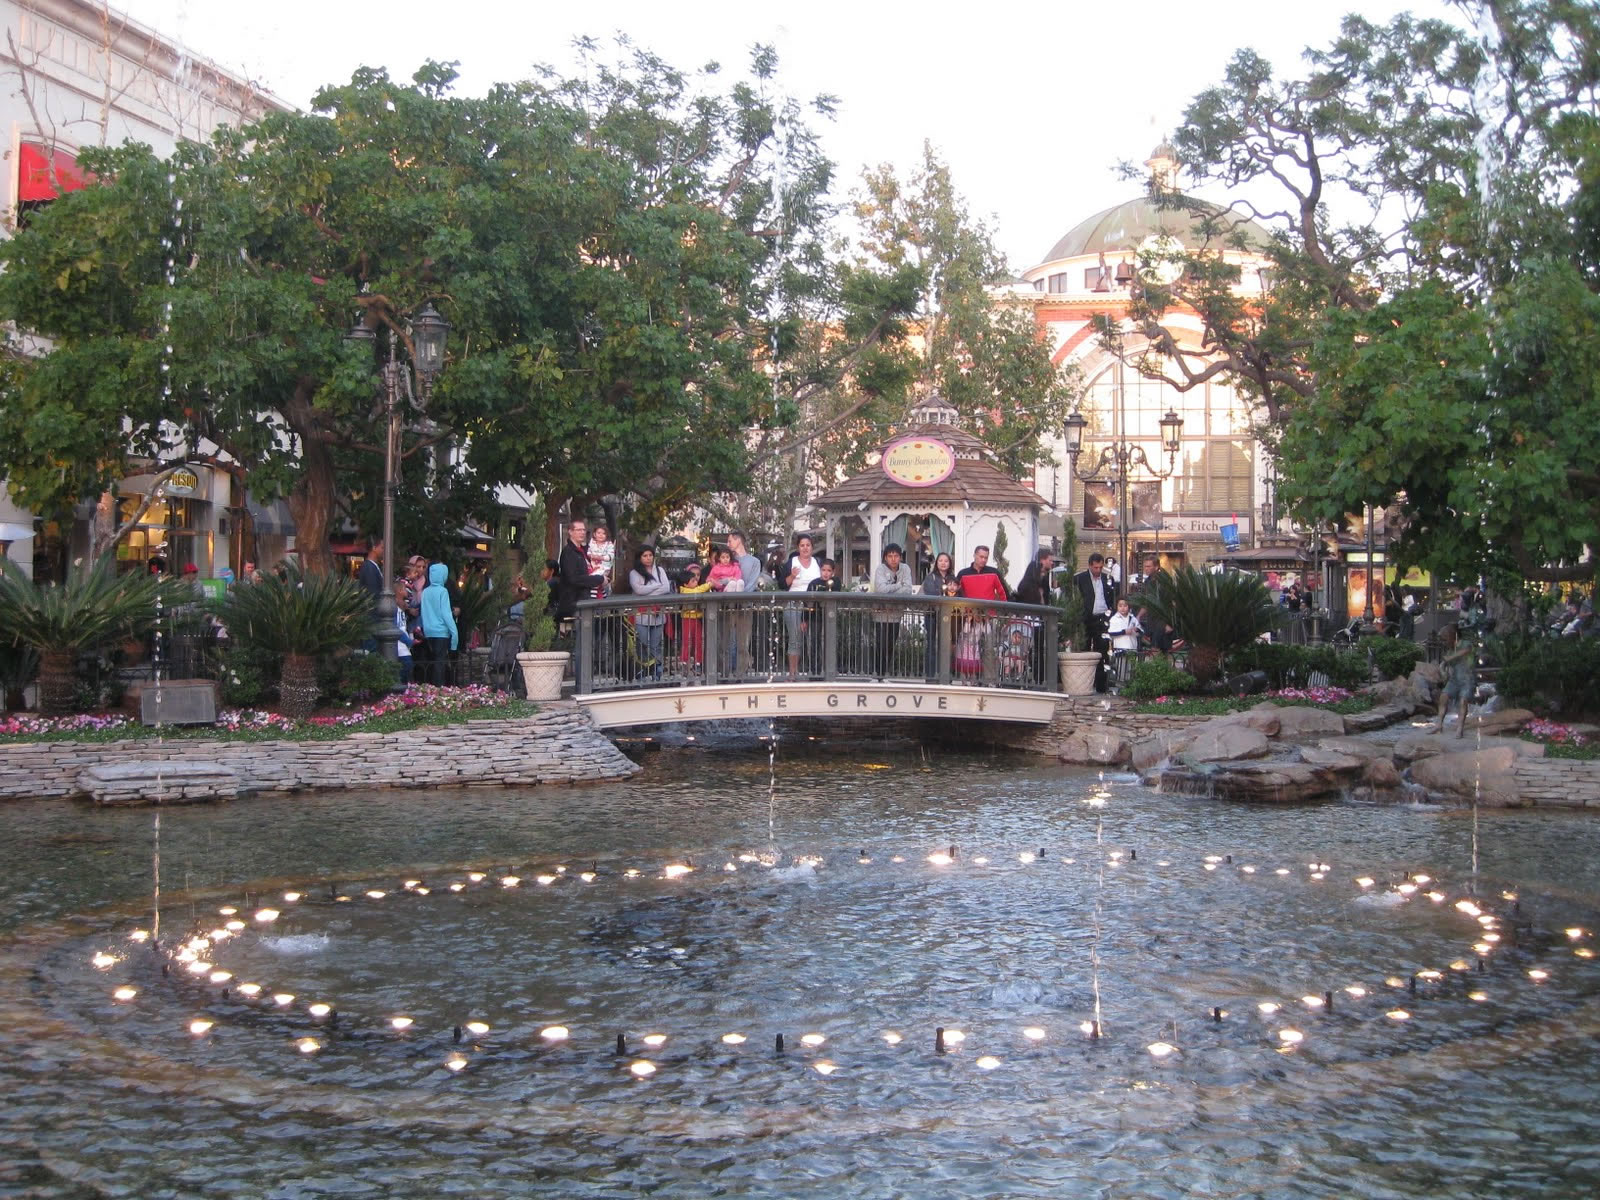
x,y
631,642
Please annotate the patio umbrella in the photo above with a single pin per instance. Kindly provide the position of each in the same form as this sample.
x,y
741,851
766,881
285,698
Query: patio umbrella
x,y
15,533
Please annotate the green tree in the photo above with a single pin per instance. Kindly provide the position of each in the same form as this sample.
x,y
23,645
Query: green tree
x,y
604,249
1428,335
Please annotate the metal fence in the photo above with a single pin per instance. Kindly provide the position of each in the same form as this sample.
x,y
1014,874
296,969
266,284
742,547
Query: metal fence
x,y
706,640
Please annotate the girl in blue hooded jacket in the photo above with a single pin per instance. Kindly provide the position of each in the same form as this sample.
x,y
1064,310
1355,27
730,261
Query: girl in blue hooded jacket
x,y
438,623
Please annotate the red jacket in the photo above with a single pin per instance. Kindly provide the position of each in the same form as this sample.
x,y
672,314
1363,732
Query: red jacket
x,y
981,585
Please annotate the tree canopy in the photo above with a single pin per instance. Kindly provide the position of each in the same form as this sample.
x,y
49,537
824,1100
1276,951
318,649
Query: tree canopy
x,y
607,251
1428,337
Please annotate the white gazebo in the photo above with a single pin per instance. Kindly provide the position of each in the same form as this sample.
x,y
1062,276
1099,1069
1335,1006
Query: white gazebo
x,y
934,489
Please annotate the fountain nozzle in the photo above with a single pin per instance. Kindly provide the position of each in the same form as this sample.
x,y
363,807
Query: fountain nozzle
x,y
938,1034
622,1045
777,1044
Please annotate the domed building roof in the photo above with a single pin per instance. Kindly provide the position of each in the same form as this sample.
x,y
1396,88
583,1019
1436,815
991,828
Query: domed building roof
x,y
1124,226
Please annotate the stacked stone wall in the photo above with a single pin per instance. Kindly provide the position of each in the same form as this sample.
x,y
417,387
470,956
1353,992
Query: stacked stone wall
x,y
559,744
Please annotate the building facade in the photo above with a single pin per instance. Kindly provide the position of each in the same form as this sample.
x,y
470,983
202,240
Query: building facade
x,y
75,74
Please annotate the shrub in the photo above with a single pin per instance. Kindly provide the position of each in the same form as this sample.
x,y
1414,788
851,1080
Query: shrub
x,y
1558,674
297,614
1215,614
245,678
362,677
1393,657
1157,676
1293,666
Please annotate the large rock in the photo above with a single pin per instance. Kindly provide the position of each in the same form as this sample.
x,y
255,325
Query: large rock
x,y
1355,747
1094,745
1414,746
1158,747
1256,782
1332,760
1503,721
1226,742
1296,721
1252,718
1380,717
1381,773
1481,774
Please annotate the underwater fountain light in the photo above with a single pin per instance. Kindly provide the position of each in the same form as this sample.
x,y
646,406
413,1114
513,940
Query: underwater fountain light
x,y
1033,1033
458,887
734,1039
642,1068
730,867
1213,858
319,1010
1461,964
982,860
401,1023
267,915
1364,881
1482,947
987,1062
1161,1049
1291,1037
1398,1014
588,876
1406,889
139,935
1267,1008
631,873
813,1039
411,884
1319,875
1211,866
1575,933
1478,997
940,859
291,897
1355,989
892,1038
250,989
824,1067
454,1063
1087,1027
1584,952
199,968
1468,907
1491,937
676,870
1430,975
200,1026
125,992
283,999
954,1037
220,976
1508,895
102,960
1538,976
1395,981
544,880
1436,897
1025,857
1281,871
509,881
422,891
227,910
308,1045
554,1033
477,1027
376,894
1248,870
1313,1001
654,1039
475,876
233,926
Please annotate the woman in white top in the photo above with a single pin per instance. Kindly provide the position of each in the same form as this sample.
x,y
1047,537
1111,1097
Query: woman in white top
x,y
803,568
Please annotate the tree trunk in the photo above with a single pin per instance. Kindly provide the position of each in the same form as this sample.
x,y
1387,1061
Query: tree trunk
x,y
313,497
297,686
57,682
1204,663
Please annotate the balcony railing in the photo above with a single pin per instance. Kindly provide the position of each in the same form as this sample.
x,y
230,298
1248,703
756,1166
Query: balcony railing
x,y
631,642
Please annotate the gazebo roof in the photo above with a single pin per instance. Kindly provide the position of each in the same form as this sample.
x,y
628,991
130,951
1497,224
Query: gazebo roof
x,y
975,481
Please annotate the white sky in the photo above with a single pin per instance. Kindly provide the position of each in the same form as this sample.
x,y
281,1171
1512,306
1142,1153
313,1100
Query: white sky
x,y
1032,104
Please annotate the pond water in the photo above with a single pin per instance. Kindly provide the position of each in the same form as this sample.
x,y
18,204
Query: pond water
x,y
472,1044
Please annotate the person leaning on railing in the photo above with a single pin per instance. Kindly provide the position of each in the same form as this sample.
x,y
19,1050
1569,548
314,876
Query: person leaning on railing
x,y
891,577
941,581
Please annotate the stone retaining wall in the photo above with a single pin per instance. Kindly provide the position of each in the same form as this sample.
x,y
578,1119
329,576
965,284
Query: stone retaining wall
x,y
559,744
1558,782
1074,713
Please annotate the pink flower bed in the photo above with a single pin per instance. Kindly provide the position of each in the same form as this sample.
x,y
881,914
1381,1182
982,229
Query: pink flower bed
x,y
1553,732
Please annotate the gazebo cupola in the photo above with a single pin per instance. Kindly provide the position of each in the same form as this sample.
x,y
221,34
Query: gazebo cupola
x,y
934,489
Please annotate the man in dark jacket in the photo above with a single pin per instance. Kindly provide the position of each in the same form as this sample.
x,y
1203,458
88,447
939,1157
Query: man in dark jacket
x,y
1035,585
573,581
1099,602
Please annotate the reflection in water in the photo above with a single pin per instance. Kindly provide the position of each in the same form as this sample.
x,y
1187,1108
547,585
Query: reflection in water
x,y
410,1024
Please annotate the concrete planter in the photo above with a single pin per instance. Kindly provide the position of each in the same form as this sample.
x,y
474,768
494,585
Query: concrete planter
x,y
1077,671
542,671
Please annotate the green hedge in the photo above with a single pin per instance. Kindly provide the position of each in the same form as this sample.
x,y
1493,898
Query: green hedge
x,y
1556,674
1292,666
1157,676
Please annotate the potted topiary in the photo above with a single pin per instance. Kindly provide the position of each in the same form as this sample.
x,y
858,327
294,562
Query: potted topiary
x,y
543,668
1074,660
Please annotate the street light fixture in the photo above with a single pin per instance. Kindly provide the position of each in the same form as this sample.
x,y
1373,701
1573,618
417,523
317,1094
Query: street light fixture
x,y
428,333
1119,460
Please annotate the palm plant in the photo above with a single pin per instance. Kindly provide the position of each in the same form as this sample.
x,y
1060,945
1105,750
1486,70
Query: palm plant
x,y
297,618
1214,614
94,608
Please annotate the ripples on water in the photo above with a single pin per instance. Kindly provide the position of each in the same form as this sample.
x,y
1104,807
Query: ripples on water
x,y
1481,1098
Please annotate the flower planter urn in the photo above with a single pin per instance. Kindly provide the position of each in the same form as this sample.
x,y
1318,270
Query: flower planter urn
x,y
542,672
1077,671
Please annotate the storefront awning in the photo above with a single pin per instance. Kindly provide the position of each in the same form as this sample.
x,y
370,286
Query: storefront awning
x,y
34,179
271,518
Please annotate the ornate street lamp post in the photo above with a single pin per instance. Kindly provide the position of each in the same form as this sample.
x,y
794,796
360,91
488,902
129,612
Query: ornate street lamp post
x,y
1119,460
428,333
